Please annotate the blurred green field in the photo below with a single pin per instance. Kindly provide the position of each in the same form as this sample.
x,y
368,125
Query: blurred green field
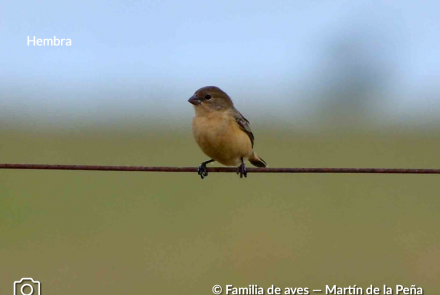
x,y
83,232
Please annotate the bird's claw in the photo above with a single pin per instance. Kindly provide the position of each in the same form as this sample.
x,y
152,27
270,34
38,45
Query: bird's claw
x,y
202,171
242,170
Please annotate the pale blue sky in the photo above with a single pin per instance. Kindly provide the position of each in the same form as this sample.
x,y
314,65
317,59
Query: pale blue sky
x,y
140,59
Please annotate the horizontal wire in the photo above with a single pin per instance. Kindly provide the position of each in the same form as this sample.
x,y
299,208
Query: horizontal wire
x,y
219,169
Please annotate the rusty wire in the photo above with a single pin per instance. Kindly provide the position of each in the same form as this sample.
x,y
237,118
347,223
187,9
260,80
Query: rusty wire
x,y
219,169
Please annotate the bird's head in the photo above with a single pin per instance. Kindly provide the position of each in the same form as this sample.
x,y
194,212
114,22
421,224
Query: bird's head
x,y
211,98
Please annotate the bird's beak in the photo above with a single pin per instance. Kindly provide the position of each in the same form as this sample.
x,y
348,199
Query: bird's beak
x,y
195,100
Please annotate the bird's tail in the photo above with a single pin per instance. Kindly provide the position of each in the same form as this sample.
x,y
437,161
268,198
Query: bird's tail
x,y
257,161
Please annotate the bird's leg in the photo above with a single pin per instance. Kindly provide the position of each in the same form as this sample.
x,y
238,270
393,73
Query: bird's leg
x,y
202,169
242,169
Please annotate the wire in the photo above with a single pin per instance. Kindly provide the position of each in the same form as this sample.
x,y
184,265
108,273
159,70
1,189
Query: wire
x,y
219,169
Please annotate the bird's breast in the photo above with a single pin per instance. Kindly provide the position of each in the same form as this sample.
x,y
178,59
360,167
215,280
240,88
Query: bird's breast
x,y
210,129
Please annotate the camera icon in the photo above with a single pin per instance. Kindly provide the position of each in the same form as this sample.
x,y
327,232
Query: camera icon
x,y
34,286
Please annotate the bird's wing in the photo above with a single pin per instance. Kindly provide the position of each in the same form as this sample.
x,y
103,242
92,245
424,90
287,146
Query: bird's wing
x,y
244,124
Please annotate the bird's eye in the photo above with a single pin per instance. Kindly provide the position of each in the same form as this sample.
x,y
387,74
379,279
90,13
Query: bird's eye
x,y
208,96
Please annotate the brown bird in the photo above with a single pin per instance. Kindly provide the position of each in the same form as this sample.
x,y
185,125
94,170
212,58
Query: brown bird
x,y
221,131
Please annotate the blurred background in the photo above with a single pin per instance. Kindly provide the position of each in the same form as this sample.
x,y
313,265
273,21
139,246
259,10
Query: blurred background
x,y
324,84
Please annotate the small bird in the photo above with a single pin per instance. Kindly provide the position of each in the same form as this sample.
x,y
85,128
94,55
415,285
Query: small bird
x,y
221,131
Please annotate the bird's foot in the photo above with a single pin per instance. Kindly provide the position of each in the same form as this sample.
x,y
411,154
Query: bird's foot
x,y
242,170
202,171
